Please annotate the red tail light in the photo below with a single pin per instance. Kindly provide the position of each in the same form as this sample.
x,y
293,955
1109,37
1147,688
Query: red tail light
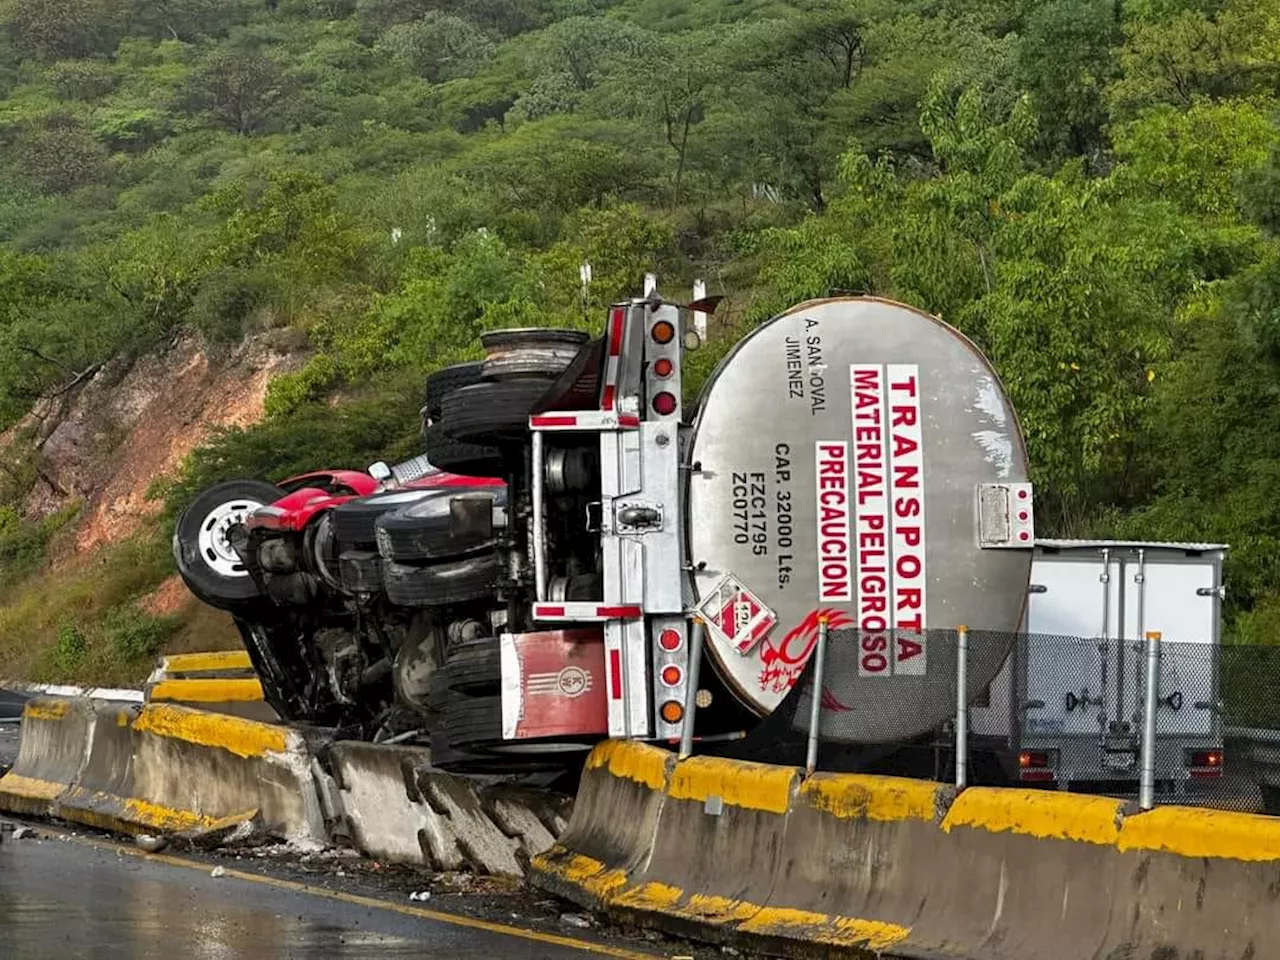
x,y
664,404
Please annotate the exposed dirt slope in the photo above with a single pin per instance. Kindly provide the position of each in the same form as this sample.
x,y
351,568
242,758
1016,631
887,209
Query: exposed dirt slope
x,y
131,423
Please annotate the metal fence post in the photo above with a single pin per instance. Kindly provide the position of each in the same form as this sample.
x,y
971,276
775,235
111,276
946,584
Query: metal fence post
x,y
1151,703
696,640
815,708
962,707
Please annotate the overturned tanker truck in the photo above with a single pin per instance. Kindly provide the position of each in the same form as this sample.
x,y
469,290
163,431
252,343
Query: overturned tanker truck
x,y
535,586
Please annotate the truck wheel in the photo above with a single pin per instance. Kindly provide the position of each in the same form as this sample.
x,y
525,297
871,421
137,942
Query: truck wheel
x,y
492,411
472,727
209,566
425,531
446,380
354,521
462,458
534,352
441,583
473,668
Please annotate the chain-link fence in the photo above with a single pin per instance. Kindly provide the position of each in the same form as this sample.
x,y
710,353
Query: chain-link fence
x,y
1042,711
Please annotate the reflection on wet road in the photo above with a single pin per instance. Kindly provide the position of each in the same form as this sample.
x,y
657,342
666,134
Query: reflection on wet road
x,y
67,900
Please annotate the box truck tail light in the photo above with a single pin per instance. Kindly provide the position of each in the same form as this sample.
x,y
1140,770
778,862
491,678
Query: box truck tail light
x,y
1204,764
663,332
672,711
1037,765
664,404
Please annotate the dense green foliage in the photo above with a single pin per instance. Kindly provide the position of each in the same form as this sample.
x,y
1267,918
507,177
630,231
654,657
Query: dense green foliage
x,y
1090,189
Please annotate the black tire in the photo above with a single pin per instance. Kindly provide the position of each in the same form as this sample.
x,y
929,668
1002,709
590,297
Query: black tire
x,y
492,412
473,668
354,521
469,737
441,583
208,565
361,571
446,380
425,531
471,722
544,352
458,456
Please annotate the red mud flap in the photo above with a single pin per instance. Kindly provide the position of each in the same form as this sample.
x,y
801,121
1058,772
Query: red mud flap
x,y
554,684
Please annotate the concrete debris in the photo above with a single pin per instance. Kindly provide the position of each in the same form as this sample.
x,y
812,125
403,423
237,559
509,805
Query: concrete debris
x,y
575,920
420,896
218,872
241,833
399,809
150,844
24,833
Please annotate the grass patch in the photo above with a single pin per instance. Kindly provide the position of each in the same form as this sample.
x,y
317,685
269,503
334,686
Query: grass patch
x,y
78,623
23,544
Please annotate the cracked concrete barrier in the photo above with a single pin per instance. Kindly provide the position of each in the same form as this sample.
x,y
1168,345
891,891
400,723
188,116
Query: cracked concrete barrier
x,y
395,807
855,865
162,768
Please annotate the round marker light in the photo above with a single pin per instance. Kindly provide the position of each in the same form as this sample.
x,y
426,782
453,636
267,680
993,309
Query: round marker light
x,y
663,332
671,675
672,711
1024,535
669,640
703,699
1023,516
665,403
663,368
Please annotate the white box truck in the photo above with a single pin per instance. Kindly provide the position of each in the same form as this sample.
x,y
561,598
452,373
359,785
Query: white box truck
x,y
1066,708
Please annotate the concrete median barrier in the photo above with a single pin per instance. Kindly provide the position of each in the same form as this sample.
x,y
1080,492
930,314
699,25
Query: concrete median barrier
x,y
51,752
397,808
161,768
879,866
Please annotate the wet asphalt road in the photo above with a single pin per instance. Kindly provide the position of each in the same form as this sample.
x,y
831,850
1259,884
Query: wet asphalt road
x,y
68,899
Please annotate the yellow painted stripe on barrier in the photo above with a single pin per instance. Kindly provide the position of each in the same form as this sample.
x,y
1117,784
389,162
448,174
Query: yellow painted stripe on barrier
x,y
108,811
45,709
30,788
244,738
653,896
1194,832
584,872
821,928
855,796
719,909
1037,813
629,760
213,690
203,662
752,786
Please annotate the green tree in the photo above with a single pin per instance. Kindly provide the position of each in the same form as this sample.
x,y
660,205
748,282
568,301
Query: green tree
x,y
240,90
439,46
1065,62
59,155
53,29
